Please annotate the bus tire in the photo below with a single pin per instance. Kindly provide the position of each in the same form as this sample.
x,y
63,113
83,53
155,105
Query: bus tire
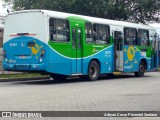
x,y
58,77
93,71
141,70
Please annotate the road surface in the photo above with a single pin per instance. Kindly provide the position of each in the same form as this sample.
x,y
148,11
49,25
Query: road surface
x,y
120,93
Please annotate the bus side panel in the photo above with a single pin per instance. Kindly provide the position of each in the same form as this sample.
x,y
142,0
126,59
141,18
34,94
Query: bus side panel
x,y
148,64
132,58
105,58
59,63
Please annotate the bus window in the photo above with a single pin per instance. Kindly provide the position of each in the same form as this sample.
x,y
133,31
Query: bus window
x,y
1,38
59,30
89,36
130,36
101,34
143,37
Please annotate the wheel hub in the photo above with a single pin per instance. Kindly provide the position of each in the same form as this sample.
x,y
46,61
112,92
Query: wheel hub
x,y
93,71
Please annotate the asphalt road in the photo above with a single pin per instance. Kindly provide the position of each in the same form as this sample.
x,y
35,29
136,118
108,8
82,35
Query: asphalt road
x,y
120,93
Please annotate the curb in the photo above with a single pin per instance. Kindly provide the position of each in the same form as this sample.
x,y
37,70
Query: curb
x,y
23,79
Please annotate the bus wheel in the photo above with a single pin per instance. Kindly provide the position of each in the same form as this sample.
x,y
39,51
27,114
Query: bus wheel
x,y
141,71
93,71
58,77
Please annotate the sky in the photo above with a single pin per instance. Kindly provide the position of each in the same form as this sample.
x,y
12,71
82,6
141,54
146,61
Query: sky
x,y
156,26
2,9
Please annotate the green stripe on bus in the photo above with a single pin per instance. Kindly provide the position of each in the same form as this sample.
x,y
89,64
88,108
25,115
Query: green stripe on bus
x,y
65,49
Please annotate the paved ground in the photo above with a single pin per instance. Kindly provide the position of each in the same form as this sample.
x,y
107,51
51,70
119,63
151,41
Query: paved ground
x,y
121,93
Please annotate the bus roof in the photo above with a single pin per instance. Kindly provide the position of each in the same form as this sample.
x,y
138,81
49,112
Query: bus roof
x,y
62,15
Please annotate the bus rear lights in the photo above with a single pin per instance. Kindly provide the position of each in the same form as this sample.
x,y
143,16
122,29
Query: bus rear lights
x,y
4,54
42,53
35,66
11,66
6,60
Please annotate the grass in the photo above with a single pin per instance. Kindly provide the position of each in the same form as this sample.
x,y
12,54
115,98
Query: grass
x,y
21,75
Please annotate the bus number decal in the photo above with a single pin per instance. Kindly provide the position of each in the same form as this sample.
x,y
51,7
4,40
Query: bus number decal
x,y
13,44
107,53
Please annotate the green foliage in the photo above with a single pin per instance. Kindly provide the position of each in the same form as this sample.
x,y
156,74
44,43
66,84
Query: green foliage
x,y
127,10
20,75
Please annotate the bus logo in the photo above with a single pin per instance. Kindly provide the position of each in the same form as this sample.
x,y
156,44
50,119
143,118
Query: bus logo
x,y
22,44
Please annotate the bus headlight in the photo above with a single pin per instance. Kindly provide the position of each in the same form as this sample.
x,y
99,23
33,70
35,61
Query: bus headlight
x,y
4,54
6,60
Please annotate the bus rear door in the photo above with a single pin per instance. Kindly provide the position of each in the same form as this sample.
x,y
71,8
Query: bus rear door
x,y
77,37
155,57
118,51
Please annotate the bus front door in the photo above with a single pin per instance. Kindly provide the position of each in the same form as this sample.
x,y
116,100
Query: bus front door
x,y
77,37
118,51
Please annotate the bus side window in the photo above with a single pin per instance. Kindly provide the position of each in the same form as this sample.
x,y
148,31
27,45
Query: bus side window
x,y
89,33
59,30
143,37
101,34
130,36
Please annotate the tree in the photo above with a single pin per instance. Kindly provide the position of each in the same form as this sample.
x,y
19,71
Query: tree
x,y
142,11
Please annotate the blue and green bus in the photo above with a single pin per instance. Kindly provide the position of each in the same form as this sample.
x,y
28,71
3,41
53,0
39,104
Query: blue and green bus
x,y
63,44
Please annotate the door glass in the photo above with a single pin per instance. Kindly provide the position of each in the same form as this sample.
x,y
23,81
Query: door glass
x,y
79,39
74,38
119,41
